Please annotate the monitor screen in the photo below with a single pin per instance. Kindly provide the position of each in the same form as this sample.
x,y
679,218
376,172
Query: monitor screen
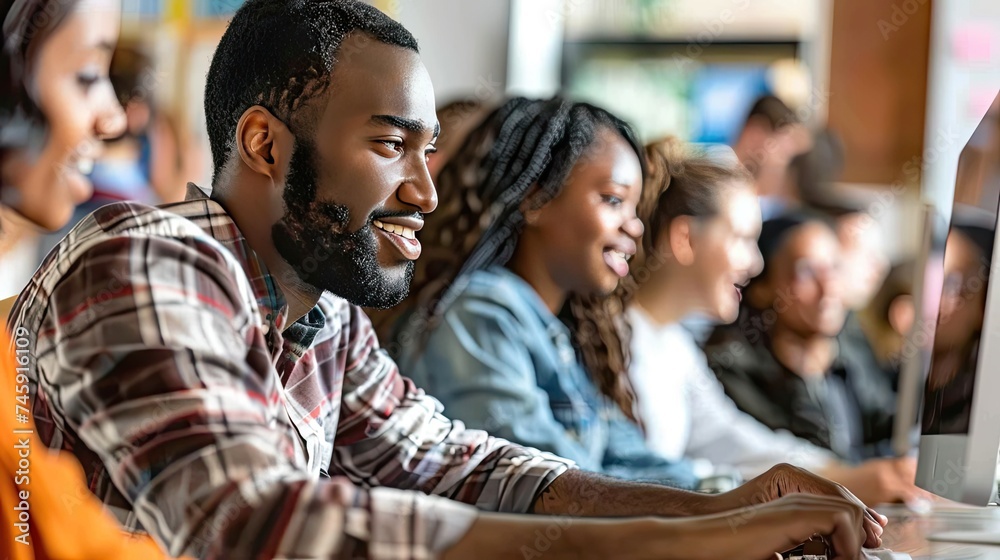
x,y
963,276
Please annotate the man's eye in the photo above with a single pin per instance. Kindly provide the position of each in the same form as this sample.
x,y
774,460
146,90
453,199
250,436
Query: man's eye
x,y
393,145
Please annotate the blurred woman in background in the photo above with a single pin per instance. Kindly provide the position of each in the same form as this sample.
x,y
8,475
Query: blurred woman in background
x,y
952,377
148,162
56,104
699,251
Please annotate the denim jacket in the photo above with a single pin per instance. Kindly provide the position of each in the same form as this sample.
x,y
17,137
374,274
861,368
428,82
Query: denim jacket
x,y
500,361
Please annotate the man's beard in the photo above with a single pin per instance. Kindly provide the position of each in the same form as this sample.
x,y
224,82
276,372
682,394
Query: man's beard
x,y
313,238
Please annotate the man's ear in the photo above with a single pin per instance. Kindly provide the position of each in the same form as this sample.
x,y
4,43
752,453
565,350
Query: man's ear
x,y
680,240
264,142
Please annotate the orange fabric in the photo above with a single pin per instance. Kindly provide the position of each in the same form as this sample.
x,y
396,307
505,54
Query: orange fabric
x,y
47,512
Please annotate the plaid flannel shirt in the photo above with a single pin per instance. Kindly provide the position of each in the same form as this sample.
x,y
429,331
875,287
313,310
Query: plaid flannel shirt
x,y
161,358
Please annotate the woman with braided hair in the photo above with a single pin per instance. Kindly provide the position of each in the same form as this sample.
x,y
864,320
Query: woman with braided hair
x,y
516,329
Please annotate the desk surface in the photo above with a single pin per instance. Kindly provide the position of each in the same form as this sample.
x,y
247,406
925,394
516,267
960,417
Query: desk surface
x,y
909,533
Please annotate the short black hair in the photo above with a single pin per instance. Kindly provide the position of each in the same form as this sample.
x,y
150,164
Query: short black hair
x,y
773,111
280,54
815,171
130,73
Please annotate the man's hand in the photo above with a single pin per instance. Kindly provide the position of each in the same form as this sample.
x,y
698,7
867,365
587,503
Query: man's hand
x,y
755,533
782,524
785,480
773,513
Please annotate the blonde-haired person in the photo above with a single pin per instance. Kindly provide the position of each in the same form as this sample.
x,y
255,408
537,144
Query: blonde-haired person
x,y
702,220
55,105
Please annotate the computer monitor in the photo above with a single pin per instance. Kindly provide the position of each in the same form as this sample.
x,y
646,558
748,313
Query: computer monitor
x,y
960,418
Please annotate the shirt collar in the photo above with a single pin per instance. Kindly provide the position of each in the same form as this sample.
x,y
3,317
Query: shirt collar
x,y
212,217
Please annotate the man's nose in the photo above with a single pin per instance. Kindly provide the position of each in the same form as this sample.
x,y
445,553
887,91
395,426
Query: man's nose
x,y
419,190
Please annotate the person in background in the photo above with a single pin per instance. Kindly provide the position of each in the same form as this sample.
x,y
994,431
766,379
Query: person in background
x,y
864,263
771,137
780,361
51,116
951,379
210,362
18,255
811,183
889,317
152,160
811,174
41,181
699,250
149,162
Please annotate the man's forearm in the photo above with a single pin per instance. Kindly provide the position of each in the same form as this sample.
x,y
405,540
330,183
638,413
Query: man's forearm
x,y
586,494
498,536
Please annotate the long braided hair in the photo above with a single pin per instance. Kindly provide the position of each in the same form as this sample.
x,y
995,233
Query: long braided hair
x,y
521,156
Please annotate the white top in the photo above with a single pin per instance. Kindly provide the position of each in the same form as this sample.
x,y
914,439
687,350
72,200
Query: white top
x,y
687,413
